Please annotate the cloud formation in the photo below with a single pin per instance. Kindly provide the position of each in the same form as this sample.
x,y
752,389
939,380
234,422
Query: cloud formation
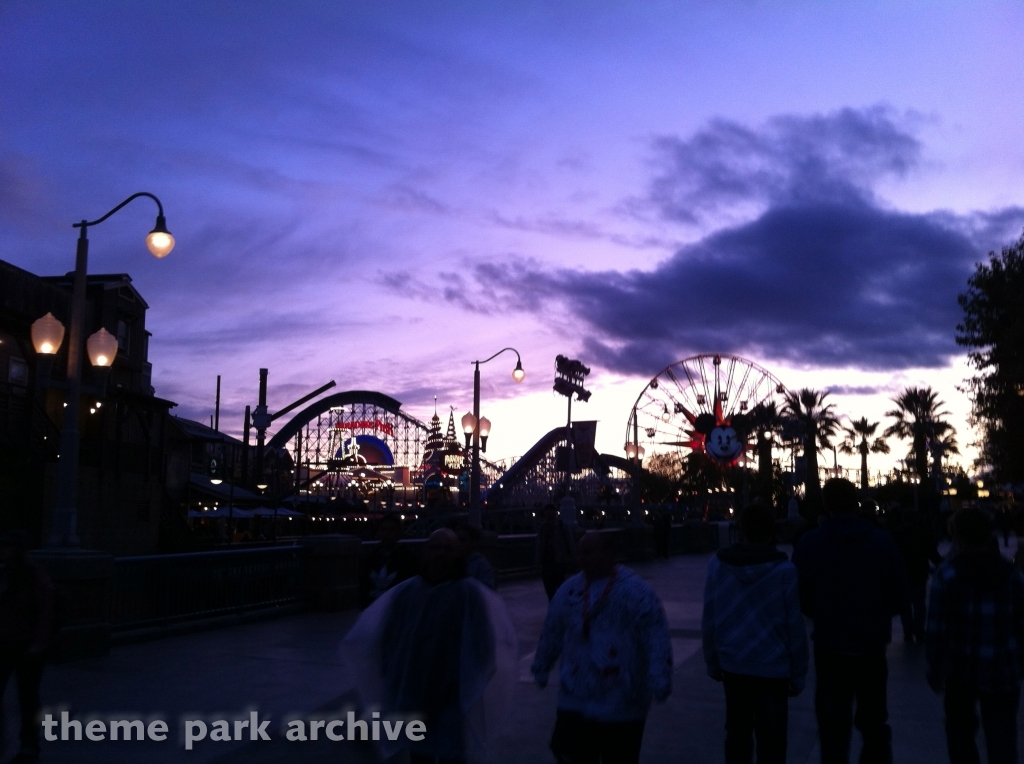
x,y
822,273
791,160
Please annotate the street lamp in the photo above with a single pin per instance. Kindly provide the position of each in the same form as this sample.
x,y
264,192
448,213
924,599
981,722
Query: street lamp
x,y
484,426
47,334
102,348
476,434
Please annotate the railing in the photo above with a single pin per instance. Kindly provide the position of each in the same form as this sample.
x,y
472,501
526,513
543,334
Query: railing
x,y
516,555
162,592
159,590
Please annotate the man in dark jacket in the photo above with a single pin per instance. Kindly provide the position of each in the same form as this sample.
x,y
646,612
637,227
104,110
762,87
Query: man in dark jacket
x,y
920,551
852,583
26,631
556,550
974,639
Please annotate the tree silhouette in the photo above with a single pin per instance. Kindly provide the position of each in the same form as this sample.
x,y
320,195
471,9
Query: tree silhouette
x,y
817,420
765,420
941,443
859,441
993,330
919,418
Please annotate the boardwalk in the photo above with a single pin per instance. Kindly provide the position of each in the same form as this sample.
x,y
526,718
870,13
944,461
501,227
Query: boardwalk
x,y
290,666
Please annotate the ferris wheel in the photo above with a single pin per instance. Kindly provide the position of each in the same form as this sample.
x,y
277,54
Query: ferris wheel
x,y
703,404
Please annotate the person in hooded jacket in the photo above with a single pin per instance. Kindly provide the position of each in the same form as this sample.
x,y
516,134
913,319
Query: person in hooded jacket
x,y
974,638
852,583
754,639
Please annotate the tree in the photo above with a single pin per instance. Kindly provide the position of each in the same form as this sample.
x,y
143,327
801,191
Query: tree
x,y
701,473
667,465
993,329
660,477
942,442
859,440
817,420
765,420
919,417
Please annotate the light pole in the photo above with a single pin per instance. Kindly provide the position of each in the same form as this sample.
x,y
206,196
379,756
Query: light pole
x,y
635,453
476,429
64,530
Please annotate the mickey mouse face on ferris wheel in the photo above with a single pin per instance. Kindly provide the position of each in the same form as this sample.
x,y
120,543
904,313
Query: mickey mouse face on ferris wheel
x,y
723,443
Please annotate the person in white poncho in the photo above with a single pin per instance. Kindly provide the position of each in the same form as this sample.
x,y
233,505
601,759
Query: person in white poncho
x,y
439,648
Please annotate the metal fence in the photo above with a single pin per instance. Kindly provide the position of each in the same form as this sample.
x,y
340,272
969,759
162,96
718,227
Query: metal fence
x,y
159,590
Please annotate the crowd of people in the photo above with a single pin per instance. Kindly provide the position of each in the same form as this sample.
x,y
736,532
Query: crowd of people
x,y
436,642
440,644
850,577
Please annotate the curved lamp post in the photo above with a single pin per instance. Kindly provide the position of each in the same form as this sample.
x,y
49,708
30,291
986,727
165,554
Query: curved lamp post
x,y
477,429
47,335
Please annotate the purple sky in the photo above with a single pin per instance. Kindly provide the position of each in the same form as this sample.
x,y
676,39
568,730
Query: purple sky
x,y
378,193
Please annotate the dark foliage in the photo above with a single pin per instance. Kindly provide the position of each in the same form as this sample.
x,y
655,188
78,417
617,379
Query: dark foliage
x,y
993,329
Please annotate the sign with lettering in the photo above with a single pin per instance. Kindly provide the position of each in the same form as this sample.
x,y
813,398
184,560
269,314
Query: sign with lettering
x,y
367,424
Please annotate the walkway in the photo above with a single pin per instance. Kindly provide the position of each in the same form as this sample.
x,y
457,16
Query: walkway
x,y
289,667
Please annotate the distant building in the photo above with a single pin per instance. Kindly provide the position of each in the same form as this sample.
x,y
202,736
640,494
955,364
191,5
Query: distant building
x,y
443,462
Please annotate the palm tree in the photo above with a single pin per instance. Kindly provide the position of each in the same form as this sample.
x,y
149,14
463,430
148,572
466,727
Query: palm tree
x,y
942,442
818,421
859,440
765,420
919,415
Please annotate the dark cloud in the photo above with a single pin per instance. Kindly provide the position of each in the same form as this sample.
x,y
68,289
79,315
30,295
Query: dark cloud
x,y
823,274
790,160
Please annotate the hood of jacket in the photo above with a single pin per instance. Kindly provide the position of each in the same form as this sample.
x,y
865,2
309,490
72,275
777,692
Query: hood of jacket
x,y
982,570
749,562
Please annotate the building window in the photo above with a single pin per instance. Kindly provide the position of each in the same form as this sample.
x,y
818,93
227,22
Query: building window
x,y
17,371
123,336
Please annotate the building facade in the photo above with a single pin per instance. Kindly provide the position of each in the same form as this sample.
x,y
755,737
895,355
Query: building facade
x,y
124,427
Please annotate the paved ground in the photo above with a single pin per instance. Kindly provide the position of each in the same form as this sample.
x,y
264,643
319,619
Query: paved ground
x,y
290,667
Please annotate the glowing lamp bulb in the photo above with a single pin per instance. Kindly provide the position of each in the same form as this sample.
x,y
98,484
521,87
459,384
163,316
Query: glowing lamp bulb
x,y
159,240
468,423
485,427
102,348
47,334
518,374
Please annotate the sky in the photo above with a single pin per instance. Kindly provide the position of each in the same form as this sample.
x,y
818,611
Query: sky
x,y
379,193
